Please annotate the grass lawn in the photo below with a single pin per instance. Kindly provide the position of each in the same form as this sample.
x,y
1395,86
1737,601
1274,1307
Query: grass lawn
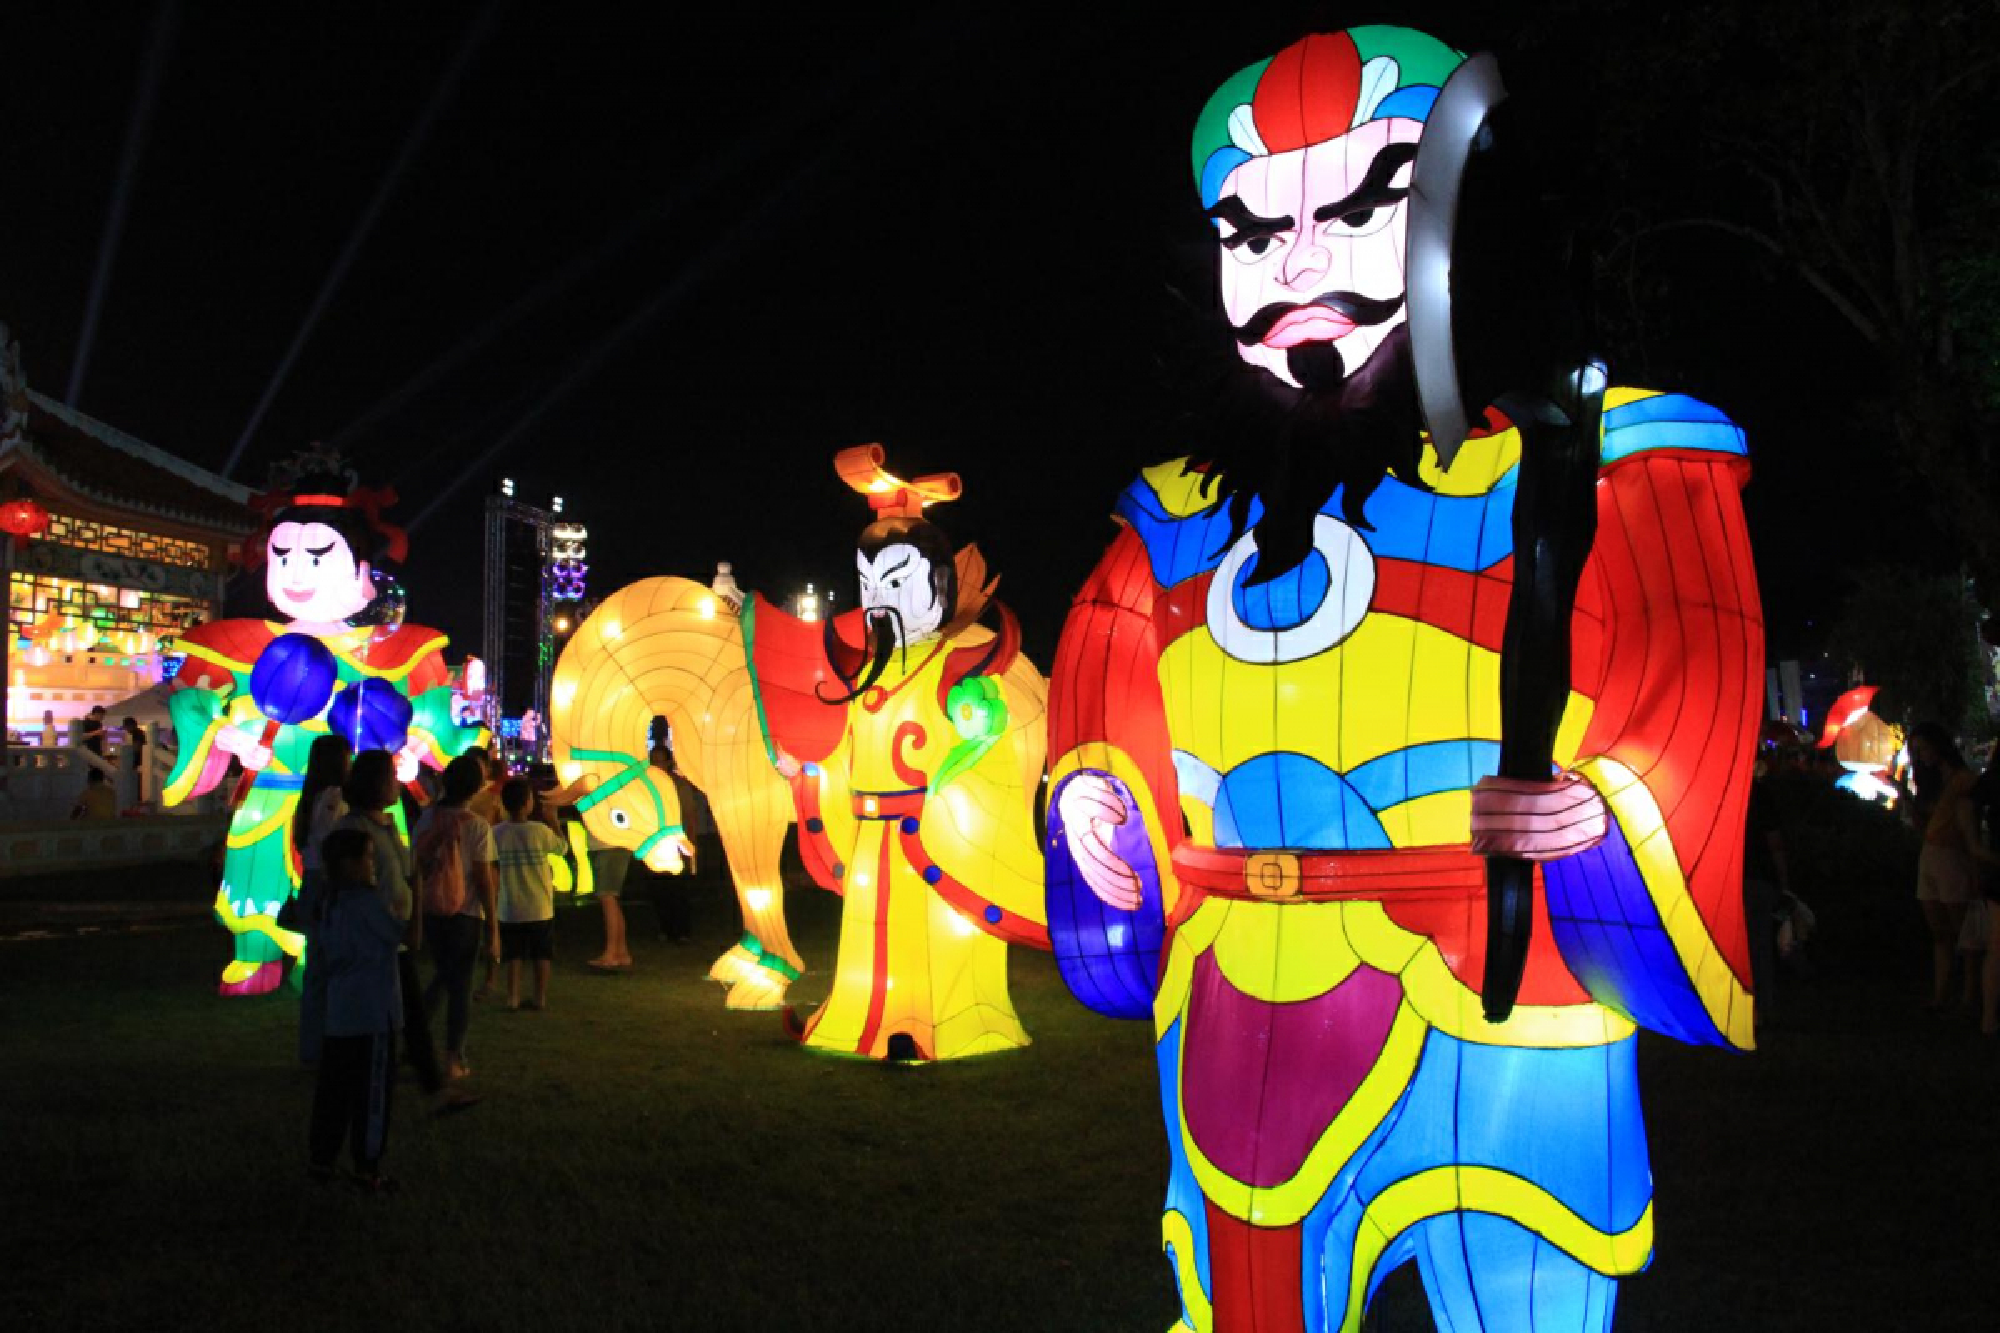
x,y
645,1159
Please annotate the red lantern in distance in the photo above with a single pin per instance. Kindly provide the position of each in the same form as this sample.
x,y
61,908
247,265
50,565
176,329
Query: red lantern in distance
x,y
22,519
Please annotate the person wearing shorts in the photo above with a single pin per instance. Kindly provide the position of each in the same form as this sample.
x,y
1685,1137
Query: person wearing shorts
x,y
1940,809
527,892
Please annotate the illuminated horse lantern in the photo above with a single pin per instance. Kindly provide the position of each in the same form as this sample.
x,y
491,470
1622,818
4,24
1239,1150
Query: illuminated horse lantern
x,y
668,647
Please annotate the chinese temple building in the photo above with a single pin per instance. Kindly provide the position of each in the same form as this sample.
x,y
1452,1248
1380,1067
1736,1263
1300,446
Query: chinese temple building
x,y
113,548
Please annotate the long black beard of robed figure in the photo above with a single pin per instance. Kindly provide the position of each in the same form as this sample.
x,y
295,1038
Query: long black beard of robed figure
x,y
1261,439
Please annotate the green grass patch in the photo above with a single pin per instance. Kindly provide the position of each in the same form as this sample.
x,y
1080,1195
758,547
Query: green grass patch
x,y
644,1159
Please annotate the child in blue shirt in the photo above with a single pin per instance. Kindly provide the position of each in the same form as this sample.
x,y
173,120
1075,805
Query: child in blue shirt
x,y
355,946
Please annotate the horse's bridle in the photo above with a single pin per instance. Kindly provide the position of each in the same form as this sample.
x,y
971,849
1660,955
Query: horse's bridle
x,y
634,769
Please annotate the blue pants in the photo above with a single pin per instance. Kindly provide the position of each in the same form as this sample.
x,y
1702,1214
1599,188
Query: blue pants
x,y
453,942
351,1100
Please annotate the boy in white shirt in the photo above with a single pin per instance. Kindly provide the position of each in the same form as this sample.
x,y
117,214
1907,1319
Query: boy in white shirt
x,y
527,892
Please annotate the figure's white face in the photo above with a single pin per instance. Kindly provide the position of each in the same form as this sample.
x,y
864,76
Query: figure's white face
x,y
899,579
311,574
1312,246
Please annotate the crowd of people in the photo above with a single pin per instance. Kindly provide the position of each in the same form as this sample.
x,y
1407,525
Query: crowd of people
x,y
471,876
1952,811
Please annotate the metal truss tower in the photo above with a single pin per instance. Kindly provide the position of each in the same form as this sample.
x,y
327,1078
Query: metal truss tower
x,y
518,640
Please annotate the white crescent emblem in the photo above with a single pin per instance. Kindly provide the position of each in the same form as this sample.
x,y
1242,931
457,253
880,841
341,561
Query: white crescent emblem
x,y
1350,568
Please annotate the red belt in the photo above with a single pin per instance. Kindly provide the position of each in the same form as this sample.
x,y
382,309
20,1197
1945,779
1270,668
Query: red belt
x,y
888,804
1326,876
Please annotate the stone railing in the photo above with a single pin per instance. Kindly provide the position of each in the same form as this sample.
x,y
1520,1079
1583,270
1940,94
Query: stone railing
x,y
44,781
45,846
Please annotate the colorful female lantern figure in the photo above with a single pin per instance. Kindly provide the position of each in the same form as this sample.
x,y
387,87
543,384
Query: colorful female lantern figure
x,y
1275,713
260,691
913,738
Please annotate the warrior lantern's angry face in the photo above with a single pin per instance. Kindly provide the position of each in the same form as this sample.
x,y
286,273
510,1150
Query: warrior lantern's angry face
x,y
312,576
1304,164
898,586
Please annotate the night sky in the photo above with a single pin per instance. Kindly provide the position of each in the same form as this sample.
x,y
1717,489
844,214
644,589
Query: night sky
x,y
757,243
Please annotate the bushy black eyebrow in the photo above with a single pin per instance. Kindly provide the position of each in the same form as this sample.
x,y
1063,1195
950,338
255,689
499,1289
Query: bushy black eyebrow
x,y
902,564
1374,190
319,550
282,551
1237,214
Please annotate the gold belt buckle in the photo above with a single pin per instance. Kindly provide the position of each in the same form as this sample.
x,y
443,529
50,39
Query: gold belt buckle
x,y
1271,875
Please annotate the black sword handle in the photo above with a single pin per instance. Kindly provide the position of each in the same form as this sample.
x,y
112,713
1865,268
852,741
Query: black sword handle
x,y
1555,523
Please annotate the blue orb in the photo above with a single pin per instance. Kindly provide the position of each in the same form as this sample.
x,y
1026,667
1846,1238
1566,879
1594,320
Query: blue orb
x,y
372,714
293,678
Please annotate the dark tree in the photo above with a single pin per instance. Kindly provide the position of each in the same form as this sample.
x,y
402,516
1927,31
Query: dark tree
x,y
1853,146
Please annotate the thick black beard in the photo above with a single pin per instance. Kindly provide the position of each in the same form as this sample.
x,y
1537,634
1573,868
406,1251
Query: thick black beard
x,y
884,629
1262,439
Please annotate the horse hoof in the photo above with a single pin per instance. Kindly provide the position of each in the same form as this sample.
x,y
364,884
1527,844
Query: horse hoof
x,y
738,964
762,990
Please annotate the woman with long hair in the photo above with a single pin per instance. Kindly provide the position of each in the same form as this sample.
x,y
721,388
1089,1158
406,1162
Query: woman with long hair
x,y
372,798
1940,809
320,807
455,855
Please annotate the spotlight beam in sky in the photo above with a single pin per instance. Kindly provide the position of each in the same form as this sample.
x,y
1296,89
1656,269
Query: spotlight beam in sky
x,y
137,128
601,351
454,73
776,136
586,365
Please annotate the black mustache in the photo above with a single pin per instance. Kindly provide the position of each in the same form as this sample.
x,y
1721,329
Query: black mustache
x,y
1349,305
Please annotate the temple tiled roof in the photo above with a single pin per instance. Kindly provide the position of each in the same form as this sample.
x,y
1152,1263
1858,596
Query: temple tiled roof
x,y
108,466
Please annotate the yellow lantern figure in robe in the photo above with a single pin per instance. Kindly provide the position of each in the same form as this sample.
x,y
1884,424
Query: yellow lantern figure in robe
x,y
914,739
668,647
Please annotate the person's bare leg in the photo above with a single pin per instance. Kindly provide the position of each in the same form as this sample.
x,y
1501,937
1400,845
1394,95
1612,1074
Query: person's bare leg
x,y
542,967
1989,1009
616,952
513,983
1944,921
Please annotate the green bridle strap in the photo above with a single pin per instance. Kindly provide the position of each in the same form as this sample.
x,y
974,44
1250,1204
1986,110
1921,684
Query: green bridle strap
x,y
633,770
666,831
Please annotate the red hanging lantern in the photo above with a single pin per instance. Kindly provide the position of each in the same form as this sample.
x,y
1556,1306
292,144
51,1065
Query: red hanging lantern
x,y
22,519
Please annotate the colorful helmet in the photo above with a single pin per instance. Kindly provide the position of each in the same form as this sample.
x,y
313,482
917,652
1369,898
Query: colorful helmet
x,y
1317,89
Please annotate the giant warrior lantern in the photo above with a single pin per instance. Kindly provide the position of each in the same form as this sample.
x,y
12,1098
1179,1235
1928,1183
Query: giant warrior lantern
x,y
1278,712
339,659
